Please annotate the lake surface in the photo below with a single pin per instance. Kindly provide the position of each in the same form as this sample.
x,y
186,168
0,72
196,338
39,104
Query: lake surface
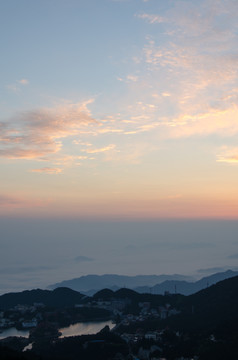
x,y
85,328
14,332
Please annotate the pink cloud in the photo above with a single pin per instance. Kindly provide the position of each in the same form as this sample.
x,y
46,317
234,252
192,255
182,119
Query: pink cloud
x,y
23,82
9,202
48,170
35,134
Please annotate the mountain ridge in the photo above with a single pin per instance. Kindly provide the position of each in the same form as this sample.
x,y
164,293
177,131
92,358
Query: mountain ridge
x,y
57,297
90,284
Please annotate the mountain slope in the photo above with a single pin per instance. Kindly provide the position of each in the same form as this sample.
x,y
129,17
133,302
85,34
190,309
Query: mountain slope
x,y
57,298
209,308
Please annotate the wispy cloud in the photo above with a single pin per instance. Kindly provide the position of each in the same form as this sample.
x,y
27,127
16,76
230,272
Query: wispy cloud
x,y
128,78
194,72
182,86
99,150
23,82
151,18
214,121
132,78
9,200
12,88
48,170
132,153
18,201
69,160
39,133
16,86
228,155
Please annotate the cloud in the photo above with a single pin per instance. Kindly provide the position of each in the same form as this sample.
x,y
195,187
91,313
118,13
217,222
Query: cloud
x,y
79,142
107,130
69,160
228,155
214,121
9,200
83,259
48,170
193,77
12,202
132,78
99,150
192,74
39,133
182,86
151,18
16,87
129,78
12,88
132,153
23,82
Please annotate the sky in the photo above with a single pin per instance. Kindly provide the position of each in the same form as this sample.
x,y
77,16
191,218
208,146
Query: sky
x,y
118,114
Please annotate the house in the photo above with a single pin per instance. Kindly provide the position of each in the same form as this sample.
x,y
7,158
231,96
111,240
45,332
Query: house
x,y
29,324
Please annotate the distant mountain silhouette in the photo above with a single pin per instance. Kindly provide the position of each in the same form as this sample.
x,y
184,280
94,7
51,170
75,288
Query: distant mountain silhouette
x,y
59,297
90,284
154,284
63,296
187,288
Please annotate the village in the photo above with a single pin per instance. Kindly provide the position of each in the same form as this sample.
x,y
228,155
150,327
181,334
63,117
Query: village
x,y
24,316
142,342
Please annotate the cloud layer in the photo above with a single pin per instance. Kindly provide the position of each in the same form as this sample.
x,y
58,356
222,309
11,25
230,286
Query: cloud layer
x,y
180,82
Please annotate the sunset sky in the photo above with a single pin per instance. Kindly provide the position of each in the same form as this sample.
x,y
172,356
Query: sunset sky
x,y
118,110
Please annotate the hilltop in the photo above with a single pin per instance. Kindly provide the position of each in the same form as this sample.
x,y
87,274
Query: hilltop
x,y
59,297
